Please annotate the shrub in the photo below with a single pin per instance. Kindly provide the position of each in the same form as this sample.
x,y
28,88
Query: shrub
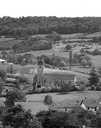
x,y
93,78
68,47
2,74
23,79
48,100
32,44
17,117
67,87
52,120
76,118
14,96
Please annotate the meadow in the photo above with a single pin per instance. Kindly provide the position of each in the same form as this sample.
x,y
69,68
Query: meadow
x,y
35,101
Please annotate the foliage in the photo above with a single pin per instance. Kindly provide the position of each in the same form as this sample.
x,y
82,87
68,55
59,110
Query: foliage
x,y
65,87
4,54
75,118
83,60
54,36
54,60
25,26
97,39
14,96
93,79
2,74
51,120
17,117
68,47
32,44
48,100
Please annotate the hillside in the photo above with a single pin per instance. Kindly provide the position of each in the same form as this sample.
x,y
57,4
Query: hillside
x,y
24,26
8,43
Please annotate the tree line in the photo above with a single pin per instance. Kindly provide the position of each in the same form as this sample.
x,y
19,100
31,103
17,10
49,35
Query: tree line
x,y
24,26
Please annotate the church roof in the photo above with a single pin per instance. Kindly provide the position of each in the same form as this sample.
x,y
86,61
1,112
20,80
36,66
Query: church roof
x,y
59,76
56,74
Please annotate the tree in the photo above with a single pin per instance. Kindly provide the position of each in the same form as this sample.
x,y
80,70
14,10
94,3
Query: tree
x,y
2,75
48,100
17,117
75,118
82,51
4,54
13,96
54,36
68,47
93,78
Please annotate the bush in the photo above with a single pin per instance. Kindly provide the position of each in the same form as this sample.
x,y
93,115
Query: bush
x,y
93,77
14,96
17,117
68,47
32,44
2,74
48,100
23,79
54,60
73,119
52,120
67,87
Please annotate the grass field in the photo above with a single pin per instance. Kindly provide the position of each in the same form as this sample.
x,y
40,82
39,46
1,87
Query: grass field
x,y
35,101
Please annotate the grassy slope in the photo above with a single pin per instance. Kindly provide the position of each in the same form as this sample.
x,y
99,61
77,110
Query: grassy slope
x,y
35,101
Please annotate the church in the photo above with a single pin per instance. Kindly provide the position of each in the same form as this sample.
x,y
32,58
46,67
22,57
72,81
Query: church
x,y
49,77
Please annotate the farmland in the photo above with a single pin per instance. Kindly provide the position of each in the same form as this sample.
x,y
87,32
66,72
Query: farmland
x,y
35,101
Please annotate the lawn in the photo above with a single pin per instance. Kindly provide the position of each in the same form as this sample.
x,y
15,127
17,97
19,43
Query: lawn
x,y
96,60
35,101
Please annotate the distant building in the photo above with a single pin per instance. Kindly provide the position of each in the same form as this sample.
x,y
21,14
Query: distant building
x,y
2,61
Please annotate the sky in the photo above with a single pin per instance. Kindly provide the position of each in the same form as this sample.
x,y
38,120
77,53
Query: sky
x,y
59,8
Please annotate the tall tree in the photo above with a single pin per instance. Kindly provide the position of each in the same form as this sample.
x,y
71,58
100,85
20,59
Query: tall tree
x,y
93,78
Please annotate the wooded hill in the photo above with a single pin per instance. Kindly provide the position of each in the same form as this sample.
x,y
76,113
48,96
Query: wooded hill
x,y
24,26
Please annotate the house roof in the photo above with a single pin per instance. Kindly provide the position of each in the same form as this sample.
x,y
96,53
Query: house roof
x,y
1,60
58,76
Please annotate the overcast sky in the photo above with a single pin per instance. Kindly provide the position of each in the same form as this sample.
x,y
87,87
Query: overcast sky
x,y
59,8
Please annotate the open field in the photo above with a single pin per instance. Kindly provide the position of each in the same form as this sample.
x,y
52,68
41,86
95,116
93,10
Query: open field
x,y
35,101
96,60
